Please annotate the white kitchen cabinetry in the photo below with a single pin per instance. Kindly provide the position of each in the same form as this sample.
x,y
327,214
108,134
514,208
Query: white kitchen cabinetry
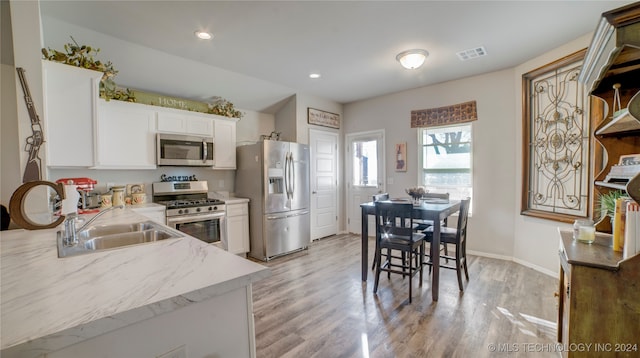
x,y
126,136
224,143
237,227
183,122
70,96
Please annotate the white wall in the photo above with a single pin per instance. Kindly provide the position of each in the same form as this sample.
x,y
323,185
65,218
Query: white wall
x,y
496,229
303,102
252,125
10,174
491,227
536,241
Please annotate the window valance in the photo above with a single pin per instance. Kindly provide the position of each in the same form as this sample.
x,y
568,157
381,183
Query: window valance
x,y
454,114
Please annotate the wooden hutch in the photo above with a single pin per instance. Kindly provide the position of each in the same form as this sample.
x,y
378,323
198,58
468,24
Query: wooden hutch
x,y
599,294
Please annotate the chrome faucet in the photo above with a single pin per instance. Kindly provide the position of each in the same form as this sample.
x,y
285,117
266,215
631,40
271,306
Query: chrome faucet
x,y
70,232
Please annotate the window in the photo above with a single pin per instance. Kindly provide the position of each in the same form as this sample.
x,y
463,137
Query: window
x,y
445,160
365,163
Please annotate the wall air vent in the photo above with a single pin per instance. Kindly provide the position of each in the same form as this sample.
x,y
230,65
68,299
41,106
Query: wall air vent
x,y
472,53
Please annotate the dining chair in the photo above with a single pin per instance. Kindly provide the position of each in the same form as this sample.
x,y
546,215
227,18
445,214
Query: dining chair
x,y
394,231
424,224
456,236
381,196
378,197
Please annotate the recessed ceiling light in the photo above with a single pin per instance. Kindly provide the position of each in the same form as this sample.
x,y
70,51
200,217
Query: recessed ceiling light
x,y
314,75
203,35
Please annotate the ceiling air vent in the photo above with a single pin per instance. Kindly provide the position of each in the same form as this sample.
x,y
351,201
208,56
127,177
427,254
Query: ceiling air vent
x,y
472,53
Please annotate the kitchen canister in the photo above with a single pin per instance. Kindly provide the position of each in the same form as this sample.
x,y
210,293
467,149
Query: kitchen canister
x,y
138,198
105,201
118,195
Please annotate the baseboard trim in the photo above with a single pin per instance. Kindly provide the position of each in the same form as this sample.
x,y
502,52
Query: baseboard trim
x,y
518,261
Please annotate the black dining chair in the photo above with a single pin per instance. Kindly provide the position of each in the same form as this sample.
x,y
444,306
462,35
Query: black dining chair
x,y
457,237
381,196
394,231
424,224
378,197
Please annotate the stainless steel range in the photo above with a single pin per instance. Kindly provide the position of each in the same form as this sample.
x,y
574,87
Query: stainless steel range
x,y
190,211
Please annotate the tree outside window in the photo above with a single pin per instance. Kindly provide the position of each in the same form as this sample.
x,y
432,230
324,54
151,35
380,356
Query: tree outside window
x,y
445,159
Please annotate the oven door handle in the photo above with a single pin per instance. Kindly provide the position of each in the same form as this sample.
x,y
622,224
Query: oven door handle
x,y
191,218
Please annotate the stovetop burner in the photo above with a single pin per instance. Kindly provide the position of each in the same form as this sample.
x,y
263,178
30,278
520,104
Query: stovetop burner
x,y
189,203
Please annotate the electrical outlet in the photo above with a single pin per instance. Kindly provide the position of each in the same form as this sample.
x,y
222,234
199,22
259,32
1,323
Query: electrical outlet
x,y
180,352
221,183
390,180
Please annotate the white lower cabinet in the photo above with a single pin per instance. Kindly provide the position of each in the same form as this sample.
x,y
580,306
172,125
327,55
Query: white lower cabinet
x,y
221,326
126,136
238,228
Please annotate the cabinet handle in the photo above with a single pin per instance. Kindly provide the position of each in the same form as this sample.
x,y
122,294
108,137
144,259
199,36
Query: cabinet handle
x,y
204,151
568,290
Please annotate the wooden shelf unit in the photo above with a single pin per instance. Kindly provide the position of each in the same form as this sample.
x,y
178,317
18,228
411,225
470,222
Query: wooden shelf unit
x,y
599,298
613,57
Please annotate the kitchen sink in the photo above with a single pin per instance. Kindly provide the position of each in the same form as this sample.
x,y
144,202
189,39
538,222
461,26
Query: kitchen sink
x,y
125,239
106,237
104,230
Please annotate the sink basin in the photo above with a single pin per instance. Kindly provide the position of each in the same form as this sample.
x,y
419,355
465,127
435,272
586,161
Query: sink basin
x,y
104,230
125,239
106,237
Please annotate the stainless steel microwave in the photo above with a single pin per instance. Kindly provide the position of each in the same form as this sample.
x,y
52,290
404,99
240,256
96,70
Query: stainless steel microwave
x,y
184,150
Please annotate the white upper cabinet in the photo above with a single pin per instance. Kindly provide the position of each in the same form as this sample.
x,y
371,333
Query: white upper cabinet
x,y
183,122
70,96
224,143
126,136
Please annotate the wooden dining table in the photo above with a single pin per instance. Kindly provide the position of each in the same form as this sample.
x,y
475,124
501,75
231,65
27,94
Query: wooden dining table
x,y
426,210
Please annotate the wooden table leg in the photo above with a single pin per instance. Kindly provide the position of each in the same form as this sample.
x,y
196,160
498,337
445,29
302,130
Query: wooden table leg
x,y
435,260
365,244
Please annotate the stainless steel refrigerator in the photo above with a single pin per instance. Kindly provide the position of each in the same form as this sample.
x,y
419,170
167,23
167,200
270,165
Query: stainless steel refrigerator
x,y
274,175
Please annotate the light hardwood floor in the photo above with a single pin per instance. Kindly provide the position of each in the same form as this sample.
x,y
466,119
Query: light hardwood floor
x,y
315,305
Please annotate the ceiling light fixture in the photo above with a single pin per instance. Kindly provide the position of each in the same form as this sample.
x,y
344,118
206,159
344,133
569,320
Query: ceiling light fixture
x,y
412,59
203,35
314,75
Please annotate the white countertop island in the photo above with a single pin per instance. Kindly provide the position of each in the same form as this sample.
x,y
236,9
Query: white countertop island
x,y
48,303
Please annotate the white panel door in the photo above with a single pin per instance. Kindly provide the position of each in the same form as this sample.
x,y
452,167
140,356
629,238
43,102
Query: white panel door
x,y
324,183
365,170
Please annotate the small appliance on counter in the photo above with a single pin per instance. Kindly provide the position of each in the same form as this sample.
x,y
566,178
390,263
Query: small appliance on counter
x,y
80,195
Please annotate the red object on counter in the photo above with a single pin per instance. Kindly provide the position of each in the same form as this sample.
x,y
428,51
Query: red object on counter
x,y
82,183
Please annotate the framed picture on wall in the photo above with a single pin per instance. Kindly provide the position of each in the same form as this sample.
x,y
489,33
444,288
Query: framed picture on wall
x,y
401,157
322,118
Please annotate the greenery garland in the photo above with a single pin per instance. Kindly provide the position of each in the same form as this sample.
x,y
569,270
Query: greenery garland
x,y
84,57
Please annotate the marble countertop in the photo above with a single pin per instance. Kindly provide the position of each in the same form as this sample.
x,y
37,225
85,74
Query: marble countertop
x,y
234,200
48,303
